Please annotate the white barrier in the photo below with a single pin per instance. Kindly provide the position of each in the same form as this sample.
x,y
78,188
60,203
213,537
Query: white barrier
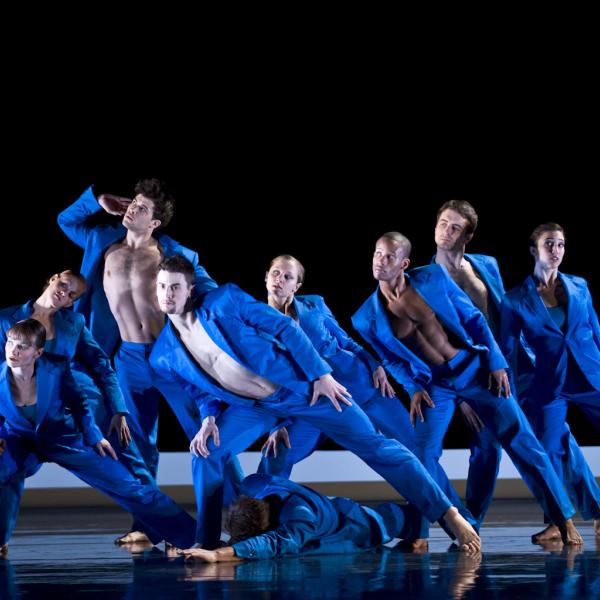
x,y
321,466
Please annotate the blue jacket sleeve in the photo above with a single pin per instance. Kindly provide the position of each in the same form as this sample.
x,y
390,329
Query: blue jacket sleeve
x,y
97,363
593,317
511,326
289,538
264,318
80,408
203,282
74,219
344,340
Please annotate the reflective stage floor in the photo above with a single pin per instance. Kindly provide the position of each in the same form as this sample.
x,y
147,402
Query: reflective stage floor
x,y
69,553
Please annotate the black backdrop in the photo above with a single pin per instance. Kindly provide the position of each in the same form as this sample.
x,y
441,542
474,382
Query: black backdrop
x,y
240,206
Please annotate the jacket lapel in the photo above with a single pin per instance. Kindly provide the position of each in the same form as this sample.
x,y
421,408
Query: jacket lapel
x,y
7,406
45,383
574,301
536,305
490,282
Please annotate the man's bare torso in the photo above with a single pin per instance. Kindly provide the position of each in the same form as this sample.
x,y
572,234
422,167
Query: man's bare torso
x,y
417,326
469,282
130,287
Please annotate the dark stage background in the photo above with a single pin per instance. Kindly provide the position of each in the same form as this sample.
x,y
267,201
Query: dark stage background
x,y
325,200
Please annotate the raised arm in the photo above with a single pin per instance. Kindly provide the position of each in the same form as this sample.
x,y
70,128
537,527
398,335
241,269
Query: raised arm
x,y
74,220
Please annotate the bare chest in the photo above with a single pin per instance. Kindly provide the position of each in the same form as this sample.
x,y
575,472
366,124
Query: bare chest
x,y
131,266
408,313
470,283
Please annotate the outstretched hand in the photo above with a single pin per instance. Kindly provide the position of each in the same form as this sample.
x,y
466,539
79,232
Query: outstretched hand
x,y
471,417
380,381
273,440
327,386
198,446
225,554
119,424
415,406
103,448
499,380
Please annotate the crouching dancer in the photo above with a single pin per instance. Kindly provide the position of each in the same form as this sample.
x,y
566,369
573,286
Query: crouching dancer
x,y
35,393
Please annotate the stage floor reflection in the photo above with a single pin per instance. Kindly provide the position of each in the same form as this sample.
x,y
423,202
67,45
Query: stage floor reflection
x,y
68,553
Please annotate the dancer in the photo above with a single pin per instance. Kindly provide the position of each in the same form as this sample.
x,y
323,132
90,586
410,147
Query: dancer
x,y
554,312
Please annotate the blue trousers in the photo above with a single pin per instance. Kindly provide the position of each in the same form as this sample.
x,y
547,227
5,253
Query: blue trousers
x,y
484,464
459,379
11,492
240,425
388,415
159,515
549,423
142,388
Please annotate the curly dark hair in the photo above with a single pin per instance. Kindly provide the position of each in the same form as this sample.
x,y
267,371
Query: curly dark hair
x,y
246,517
160,194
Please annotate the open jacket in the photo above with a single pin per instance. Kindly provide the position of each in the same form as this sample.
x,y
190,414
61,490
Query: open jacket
x,y
455,311
62,412
255,335
523,312
95,240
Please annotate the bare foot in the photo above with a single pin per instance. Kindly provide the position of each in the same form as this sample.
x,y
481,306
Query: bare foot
x,y
172,551
551,532
597,527
466,537
4,550
418,546
133,537
570,535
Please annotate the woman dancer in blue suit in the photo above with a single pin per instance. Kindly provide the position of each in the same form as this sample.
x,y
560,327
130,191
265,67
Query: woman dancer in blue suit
x,y
48,419
555,313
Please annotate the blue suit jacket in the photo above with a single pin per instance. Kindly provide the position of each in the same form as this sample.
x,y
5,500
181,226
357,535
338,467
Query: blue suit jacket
x,y
487,269
523,311
251,332
453,309
95,239
56,391
74,341
308,522
330,340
